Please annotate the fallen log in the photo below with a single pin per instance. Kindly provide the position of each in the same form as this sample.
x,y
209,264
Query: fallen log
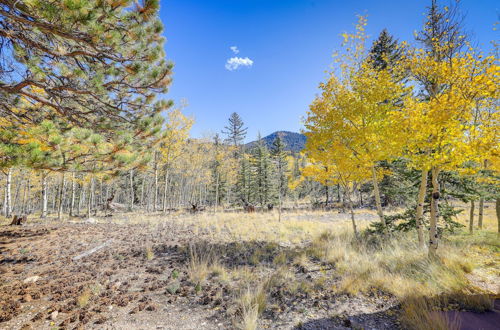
x,y
91,251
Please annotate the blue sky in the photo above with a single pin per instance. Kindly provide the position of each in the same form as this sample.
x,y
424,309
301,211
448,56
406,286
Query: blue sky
x,y
289,42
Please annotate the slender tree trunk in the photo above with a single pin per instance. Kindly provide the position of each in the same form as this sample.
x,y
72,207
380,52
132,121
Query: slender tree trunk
x,y
481,210
44,195
165,191
81,198
353,220
497,207
15,204
471,217
89,197
420,208
8,196
155,192
132,196
216,192
433,233
73,193
25,195
61,196
279,206
28,198
377,198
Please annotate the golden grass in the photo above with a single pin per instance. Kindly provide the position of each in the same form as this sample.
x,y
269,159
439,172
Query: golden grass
x,y
419,313
201,260
84,298
305,239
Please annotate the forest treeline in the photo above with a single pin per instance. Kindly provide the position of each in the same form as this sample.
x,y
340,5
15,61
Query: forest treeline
x,y
85,126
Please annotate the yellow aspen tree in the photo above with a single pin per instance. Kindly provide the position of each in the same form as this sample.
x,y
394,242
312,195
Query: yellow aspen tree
x,y
444,133
354,109
173,140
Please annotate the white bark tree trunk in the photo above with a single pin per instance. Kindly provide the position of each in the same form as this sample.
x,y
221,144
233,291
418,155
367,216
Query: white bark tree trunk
x,y
471,217
420,208
433,232
8,193
481,211
61,196
44,195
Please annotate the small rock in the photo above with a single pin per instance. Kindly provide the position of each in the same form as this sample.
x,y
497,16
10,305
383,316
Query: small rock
x,y
53,315
32,279
27,298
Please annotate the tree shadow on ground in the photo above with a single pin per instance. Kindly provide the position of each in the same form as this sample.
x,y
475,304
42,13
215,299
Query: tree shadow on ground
x,y
379,320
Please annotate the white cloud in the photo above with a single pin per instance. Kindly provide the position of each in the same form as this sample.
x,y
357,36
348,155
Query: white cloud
x,y
234,63
235,49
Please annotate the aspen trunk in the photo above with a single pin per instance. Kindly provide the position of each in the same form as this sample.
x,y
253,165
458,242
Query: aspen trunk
x,y
73,193
165,190
89,197
61,196
132,197
481,210
15,203
216,192
353,220
81,198
25,195
8,196
420,208
351,209
28,198
433,233
497,206
155,192
471,217
44,195
377,198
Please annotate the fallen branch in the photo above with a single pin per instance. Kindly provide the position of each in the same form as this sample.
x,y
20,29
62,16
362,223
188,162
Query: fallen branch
x,y
89,252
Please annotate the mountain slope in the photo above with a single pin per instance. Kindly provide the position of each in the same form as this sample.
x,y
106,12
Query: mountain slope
x,y
294,142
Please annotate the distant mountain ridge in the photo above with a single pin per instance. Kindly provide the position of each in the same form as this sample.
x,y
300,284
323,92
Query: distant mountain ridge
x,y
293,141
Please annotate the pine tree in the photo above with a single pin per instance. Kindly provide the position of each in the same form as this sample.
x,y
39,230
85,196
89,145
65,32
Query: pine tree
x,y
263,187
99,64
244,180
234,131
384,51
279,156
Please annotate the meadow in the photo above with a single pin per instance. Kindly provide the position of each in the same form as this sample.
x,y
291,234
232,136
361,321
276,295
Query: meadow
x,y
242,270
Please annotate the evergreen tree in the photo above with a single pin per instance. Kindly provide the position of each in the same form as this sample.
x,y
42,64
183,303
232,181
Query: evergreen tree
x,y
279,156
384,51
263,186
98,63
235,131
218,175
244,180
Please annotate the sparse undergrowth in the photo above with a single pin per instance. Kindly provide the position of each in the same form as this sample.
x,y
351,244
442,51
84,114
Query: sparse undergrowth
x,y
256,279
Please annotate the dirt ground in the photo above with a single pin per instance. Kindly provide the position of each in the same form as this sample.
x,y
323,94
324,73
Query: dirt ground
x,y
107,275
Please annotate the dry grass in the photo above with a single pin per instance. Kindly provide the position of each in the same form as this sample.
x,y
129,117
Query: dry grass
x,y
420,314
305,240
84,298
149,253
201,260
